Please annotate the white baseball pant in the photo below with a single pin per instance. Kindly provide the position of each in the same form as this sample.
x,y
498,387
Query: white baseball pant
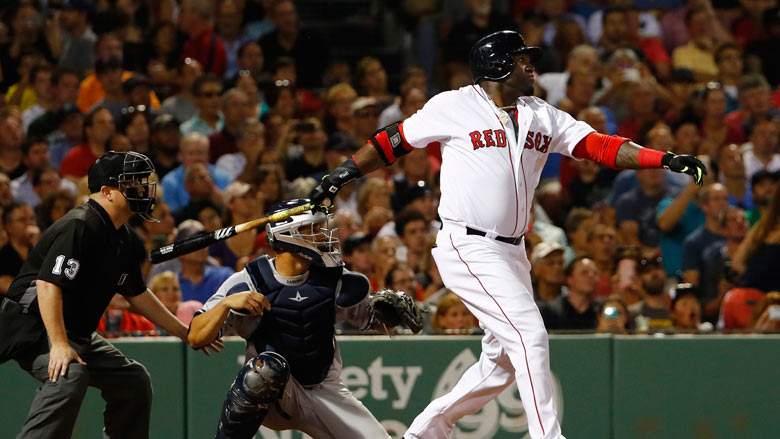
x,y
493,280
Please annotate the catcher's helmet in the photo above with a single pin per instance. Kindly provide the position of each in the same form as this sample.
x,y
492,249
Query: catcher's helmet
x,y
129,172
491,57
310,235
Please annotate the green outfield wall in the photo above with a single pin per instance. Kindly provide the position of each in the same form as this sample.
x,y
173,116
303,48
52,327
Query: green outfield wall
x,y
606,386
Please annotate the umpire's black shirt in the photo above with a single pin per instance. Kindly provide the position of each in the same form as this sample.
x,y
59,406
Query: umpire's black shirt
x,y
89,260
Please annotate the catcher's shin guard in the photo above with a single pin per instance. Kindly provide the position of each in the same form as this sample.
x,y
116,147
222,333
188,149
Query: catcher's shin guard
x,y
258,385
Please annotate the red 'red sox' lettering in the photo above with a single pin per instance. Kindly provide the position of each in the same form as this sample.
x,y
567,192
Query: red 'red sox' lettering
x,y
538,141
496,138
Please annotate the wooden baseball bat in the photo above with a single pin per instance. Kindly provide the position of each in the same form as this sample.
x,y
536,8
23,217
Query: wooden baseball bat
x,y
203,240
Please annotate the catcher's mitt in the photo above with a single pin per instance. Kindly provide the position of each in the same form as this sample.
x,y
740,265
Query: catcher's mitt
x,y
393,308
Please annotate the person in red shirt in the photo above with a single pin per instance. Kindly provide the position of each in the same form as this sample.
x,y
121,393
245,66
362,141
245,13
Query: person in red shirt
x,y
204,45
99,127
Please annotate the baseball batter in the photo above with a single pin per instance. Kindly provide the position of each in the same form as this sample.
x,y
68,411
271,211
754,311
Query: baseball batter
x,y
492,157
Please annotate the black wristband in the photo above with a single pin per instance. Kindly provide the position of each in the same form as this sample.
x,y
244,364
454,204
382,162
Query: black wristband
x,y
666,159
345,173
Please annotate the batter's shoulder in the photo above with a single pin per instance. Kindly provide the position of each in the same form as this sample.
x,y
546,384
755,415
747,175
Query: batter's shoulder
x,y
537,103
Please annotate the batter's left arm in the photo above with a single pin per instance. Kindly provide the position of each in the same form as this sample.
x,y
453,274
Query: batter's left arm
x,y
622,153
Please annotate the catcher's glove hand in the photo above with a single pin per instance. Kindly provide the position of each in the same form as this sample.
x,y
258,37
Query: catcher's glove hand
x,y
393,308
685,164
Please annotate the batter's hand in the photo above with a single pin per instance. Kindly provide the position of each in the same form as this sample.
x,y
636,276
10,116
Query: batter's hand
x,y
326,190
685,164
60,357
247,303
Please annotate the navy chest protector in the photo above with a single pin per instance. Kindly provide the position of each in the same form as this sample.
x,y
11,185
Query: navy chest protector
x,y
299,325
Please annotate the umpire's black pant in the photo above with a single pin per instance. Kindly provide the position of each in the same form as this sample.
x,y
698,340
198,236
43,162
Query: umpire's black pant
x,y
124,384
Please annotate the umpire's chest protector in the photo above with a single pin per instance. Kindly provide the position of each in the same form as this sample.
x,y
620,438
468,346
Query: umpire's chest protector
x,y
299,325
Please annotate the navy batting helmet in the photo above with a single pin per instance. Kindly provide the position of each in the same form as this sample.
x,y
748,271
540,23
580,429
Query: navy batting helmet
x,y
491,57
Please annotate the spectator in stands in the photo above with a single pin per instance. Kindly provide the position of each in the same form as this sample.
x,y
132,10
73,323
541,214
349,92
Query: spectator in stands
x,y
198,280
120,143
412,229
109,74
160,233
635,210
164,139
365,117
728,58
98,127
11,138
281,99
649,44
652,311
53,206
69,133
242,205
682,87
19,222
678,217
697,55
162,57
371,81
21,94
270,183
412,78
717,275
575,310
766,314
183,105
78,40
201,189
685,309
713,199
40,78
348,223
452,316
579,222
134,123
400,277
356,252
338,105
138,89
762,185
196,19
308,50
547,271
758,254
25,37
207,90
383,252
166,287
32,185
732,173
194,148
602,241
580,88
65,90
755,104
235,111
6,197
228,26
581,58
762,53
250,60
244,164
686,135
762,150
613,315
614,31
306,158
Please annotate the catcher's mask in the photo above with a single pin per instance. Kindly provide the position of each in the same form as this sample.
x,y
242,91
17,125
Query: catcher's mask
x,y
129,172
313,236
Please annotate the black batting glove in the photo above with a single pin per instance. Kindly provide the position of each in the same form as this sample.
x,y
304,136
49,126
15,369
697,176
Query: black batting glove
x,y
685,164
332,183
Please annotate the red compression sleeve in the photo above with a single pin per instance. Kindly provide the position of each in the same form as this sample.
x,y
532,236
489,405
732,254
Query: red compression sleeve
x,y
650,158
600,148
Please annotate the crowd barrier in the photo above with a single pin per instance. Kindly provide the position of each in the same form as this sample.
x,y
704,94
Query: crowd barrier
x,y
720,386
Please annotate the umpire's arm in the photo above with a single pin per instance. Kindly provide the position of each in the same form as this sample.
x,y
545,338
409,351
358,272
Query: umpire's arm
x,y
149,306
50,307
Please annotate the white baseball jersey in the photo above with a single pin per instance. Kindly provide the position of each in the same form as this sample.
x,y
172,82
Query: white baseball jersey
x,y
489,168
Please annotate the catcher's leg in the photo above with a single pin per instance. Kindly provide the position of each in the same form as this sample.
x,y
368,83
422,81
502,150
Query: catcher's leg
x,y
259,383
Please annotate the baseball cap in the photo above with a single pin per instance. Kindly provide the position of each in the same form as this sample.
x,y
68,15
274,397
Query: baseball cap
x,y
419,190
105,171
682,74
363,102
235,190
543,249
164,122
137,80
103,65
187,229
354,241
683,290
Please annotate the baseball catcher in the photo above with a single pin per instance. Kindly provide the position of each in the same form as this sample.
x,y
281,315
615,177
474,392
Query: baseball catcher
x,y
286,308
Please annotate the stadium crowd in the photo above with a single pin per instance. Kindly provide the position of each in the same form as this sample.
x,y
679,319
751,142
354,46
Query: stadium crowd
x,y
244,103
